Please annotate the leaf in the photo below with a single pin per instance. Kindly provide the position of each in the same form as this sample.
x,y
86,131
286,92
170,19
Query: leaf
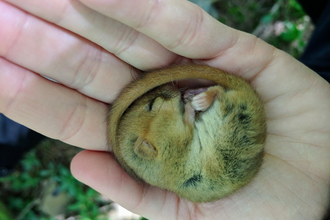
x,y
76,207
235,11
91,192
45,173
291,32
266,19
17,203
296,9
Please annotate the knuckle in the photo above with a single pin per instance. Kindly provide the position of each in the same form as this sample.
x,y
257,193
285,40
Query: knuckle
x,y
192,31
125,41
87,70
73,123
151,11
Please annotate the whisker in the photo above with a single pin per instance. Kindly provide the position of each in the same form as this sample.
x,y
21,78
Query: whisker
x,y
161,105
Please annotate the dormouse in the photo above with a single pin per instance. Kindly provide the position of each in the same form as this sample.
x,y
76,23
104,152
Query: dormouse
x,y
190,129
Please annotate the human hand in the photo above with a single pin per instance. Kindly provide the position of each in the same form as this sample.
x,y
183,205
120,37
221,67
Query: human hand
x,y
294,180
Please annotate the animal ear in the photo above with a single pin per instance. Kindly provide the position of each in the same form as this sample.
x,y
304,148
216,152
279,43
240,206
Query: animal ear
x,y
144,148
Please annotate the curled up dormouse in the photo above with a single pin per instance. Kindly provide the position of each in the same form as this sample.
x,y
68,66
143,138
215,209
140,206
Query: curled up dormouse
x,y
190,129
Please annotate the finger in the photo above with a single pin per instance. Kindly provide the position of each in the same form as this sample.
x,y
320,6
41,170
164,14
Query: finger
x,y
186,29
126,43
178,25
60,55
51,109
100,171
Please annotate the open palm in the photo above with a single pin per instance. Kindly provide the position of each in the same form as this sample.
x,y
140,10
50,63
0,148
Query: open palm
x,y
91,54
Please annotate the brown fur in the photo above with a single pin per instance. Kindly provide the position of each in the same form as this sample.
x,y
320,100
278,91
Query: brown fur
x,y
203,144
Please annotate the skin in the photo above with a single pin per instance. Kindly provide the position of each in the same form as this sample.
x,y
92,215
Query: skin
x,y
202,144
94,53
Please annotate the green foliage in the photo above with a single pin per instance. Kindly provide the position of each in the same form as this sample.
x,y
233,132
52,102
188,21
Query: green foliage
x,y
266,19
85,203
250,15
290,15
290,33
4,214
25,187
237,13
242,15
28,178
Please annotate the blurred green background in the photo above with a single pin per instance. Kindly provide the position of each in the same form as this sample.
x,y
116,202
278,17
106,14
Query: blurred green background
x,y
43,187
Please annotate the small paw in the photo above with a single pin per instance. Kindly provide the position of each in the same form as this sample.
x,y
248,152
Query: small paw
x,y
189,94
202,101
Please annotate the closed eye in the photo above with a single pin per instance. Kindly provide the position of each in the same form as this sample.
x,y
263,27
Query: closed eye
x,y
151,103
